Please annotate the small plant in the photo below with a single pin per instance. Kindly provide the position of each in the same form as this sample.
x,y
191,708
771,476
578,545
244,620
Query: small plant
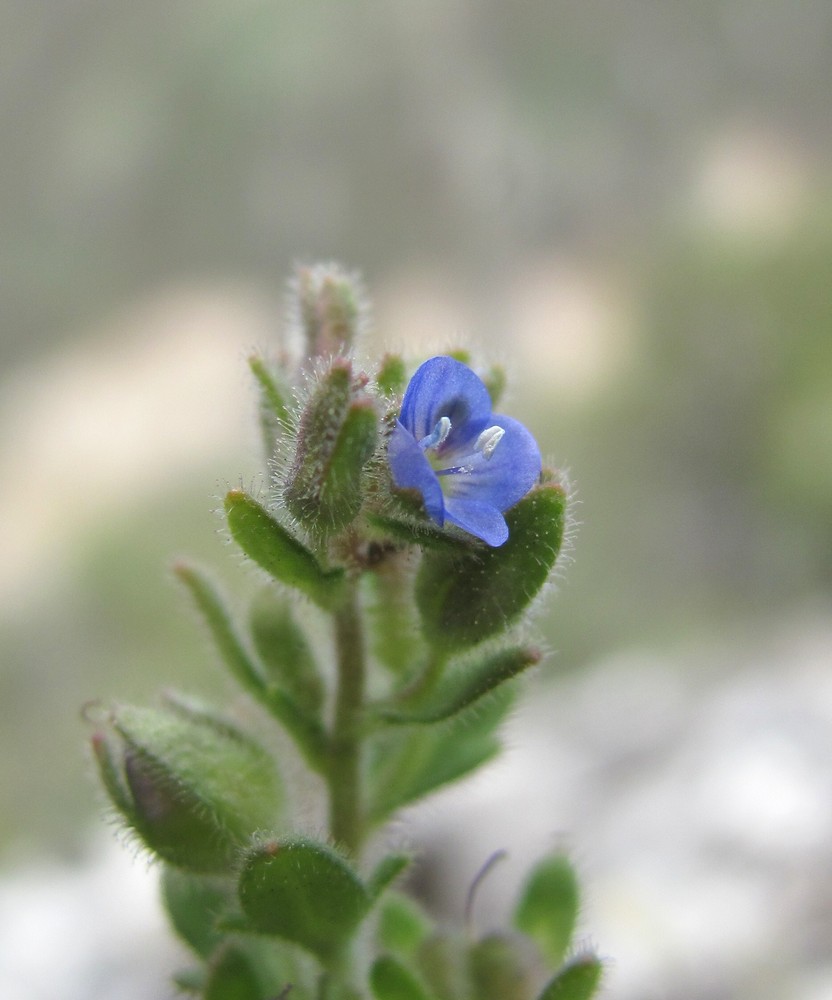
x,y
414,527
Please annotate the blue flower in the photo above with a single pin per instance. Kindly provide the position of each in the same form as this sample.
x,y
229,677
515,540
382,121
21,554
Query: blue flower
x,y
468,463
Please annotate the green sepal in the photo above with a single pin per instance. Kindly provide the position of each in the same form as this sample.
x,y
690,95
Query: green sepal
x,y
402,924
274,410
303,891
391,979
336,436
464,599
410,764
341,495
194,903
277,551
577,980
232,975
191,981
212,606
284,651
198,787
501,968
495,381
305,728
108,757
392,375
385,873
404,520
547,910
462,686
443,961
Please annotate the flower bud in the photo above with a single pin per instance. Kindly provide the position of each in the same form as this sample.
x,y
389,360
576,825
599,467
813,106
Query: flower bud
x,y
190,785
336,437
501,968
328,305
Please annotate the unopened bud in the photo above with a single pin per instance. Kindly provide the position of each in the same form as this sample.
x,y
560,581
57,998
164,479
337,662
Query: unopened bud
x,y
329,308
336,438
189,784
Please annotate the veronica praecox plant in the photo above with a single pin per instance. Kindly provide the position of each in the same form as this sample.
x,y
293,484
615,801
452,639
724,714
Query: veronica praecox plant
x,y
422,528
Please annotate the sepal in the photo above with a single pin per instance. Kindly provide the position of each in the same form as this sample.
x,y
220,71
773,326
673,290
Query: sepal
x,y
391,979
579,979
274,409
402,925
547,910
501,968
464,599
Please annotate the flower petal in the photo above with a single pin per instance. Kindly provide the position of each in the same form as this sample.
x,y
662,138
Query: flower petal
x,y
412,470
477,518
445,387
505,478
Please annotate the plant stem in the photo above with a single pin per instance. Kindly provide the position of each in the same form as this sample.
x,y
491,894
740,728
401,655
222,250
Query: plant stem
x,y
346,814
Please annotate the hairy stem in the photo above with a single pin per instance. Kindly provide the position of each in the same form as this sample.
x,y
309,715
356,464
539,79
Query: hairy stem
x,y
346,815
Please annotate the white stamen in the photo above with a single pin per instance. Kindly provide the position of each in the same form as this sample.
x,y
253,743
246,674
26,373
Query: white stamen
x,y
488,440
439,434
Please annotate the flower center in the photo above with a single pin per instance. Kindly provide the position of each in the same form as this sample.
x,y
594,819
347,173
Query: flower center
x,y
484,446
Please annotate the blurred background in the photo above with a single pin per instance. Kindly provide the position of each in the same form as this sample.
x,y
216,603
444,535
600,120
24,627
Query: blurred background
x,y
629,205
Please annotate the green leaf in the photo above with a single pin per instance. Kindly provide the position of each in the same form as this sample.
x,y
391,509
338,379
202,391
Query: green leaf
x,y
194,903
578,980
391,979
302,891
443,961
463,686
272,547
464,599
548,907
410,764
219,621
402,924
284,650
199,787
392,375
305,729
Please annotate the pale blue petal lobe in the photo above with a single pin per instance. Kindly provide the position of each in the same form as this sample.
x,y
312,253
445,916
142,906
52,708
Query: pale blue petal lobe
x,y
505,478
480,519
445,387
412,470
